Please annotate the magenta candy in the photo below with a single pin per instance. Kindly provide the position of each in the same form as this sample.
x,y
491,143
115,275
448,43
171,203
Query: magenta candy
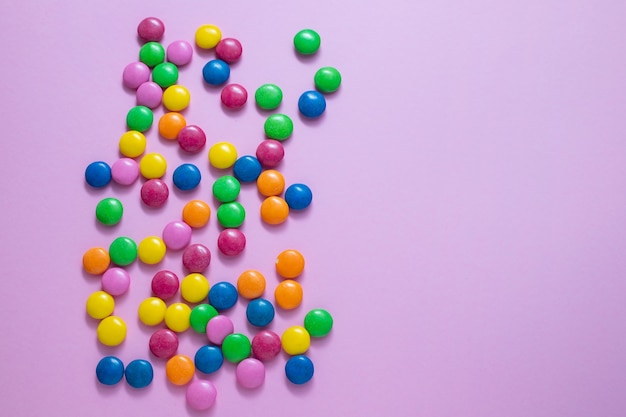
x,y
191,138
231,242
163,343
165,284
154,193
266,345
149,94
135,74
151,29
270,152
115,281
125,171
179,52
228,50
176,235
250,373
218,328
234,96
196,258
201,394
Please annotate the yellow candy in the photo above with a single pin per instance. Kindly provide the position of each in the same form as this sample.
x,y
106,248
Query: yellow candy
x,y
100,305
132,144
152,165
176,98
151,250
111,331
208,36
194,288
152,311
177,317
222,155
295,340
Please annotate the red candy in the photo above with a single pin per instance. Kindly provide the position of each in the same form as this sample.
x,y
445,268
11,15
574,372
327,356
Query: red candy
x,y
165,284
163,343
270,152
154,193
231,242
191,138
266,345
151,29
234,96
196,258
229,50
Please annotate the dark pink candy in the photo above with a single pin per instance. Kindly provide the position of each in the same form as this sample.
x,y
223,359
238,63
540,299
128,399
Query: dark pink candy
x,y
191,138
151,29
270,152
231,242
165,284
266,345
196,258
229,50
163,343
234,96
154,193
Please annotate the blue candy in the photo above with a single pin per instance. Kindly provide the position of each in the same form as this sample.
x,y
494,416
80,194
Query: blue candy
x,y
298,196
209,359
223,295
186,177
216,72
247,168
312,104
110,370
260,312
98,174
299,369
139,373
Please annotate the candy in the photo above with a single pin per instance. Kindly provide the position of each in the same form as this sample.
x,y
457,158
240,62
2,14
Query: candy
x,y
270,183
327,79
152,165
236,347
289,263
201,395
229,50
115,281
177,317
216,72
208,359
163,343
307,41
186,177
295,340
231,215
139,373
196,213
299,369
123,251
194,288
154,193
250,373
251,284
179,369
100,305
200,316
151,311
223,295
298,196
165,74
151,29
318,322
247,168
266,345
268,96
132,144
149,94
111,331
222,155
98,174
165,284
278,126
196,258
139,118
110,370
270,152
231,242
312,104
176,235
152,53
135,74
234,96
208,36
260,312
151,250
96,260
176,98
226,189
288,294
125,171
179,52
218,328
274,210
109,211
170,124
191,138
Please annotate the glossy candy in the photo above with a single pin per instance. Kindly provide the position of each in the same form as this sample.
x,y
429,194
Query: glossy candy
x,y
165,284
307,41
327,79
98,174
236,347
196,258
191,138
268,96
247,168
170,124
312,104
260,312
208,36
231,215
226,189
250,373
115,281
200,316
223,295
151,29
222,155
251,284
123,251
139,118
208,359
186,177
266,345
196,213
165,74
151,311
194,288
216,72
270,152
289,263
176,235
111,331
299,369
295,340
163,343
100,305
176,98
274,210
125,171
139,373
151,250
135,74
177,317
152,165
132,144
110,370
154,193
218,328
278,126
201,394
234,96
96,260
179,52
229,50
149,94
231,242
298,196
109,211
152,53
288,294
270,183
318,322
179,369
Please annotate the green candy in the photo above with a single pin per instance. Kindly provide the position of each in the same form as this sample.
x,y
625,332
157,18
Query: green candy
x,y
318,322
226,189
231,215
236,347
165,74
307,41
327,79
123,251
268,96
139,118
152,53
278,126
109,211
200,316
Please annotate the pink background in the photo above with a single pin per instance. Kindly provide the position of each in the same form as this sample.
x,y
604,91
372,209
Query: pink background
x,y
467,230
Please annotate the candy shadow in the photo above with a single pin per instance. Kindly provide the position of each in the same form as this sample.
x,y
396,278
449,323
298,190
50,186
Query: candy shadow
x,y
200,413
307,59
308,121
300,390
108,390
92,191
234,113
300,215
250,392
186,195
185,155
139,392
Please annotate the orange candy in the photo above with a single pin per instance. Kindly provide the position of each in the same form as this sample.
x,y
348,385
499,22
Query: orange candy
x,y
196,213
179,369
288,294
289,263
274,210
251,284
96,261
270,182
170,124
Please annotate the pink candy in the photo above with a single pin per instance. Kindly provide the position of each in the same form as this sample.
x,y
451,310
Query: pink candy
x,y
201,394
163,343
229,50
218,328
234,96
250,373
196,258
231,242
151,29
266,345
270,152
176,235
149,94
179,53
135,74
154,193
191,138
125,171
115,281
165,284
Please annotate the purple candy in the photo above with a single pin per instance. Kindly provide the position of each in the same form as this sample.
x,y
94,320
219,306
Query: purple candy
x,y
201,394
176,235
135,74
179,52
149,94
250,373
218,328
125,171
115,281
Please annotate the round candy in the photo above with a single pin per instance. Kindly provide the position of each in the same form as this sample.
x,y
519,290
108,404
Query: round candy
x,y
218,328
100,305
132,144
139,373
151,29
298,196
327,79
125,171
234,96
247,169
149,94
115,281
111,331
152,53
312,104
135,74
231,215
208,359
186,177
139,118
165,284
200,316
236,347
318,322
250,373
201,395
289,263
154,193
216,72
229,50
196,258
307,41
270,183
109,211
98,174
299,369
191,138
270,152
151,311
251,284
176,235
96,260
170,124
194,288
278,126
179,52
266,345
222,155
179,369
152,165
223,296
163,343
110,370
123,251
268,96
295,340
177,317
231,242
196,213
260,312
176,98
274,210
288,294
208,36
226,189
151,250
165,74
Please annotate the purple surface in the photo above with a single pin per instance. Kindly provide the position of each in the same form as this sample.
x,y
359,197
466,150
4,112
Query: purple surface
x,y
467,231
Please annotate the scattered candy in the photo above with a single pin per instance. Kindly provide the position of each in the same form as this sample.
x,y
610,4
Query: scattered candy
x,y
176,235
115,281
200,316
151,29
109,211
231,215
177,317
299,369
298,196
289,263
96,260
152,311
111,331
176,98
251,284
231,242
223,295
201,395
266,345
307,41
278,126
100,305
154,193
218,328
165,284
132,144
196,258
152,165
234,96
196,213
216,72
312,104
268,96
186,177
163,343
179,369
270,183
226,189
270,152
135,74
208,359
274,210
191,138
208,36
288,294
327,79
125,171
170,124
139,373
250,373
149,94
179,52
295,340
229,50
318,322
222,155
98,174
194,288
151,250
139,118
165,74
247,168
236,347
123,251
151,54
110,370
260,312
